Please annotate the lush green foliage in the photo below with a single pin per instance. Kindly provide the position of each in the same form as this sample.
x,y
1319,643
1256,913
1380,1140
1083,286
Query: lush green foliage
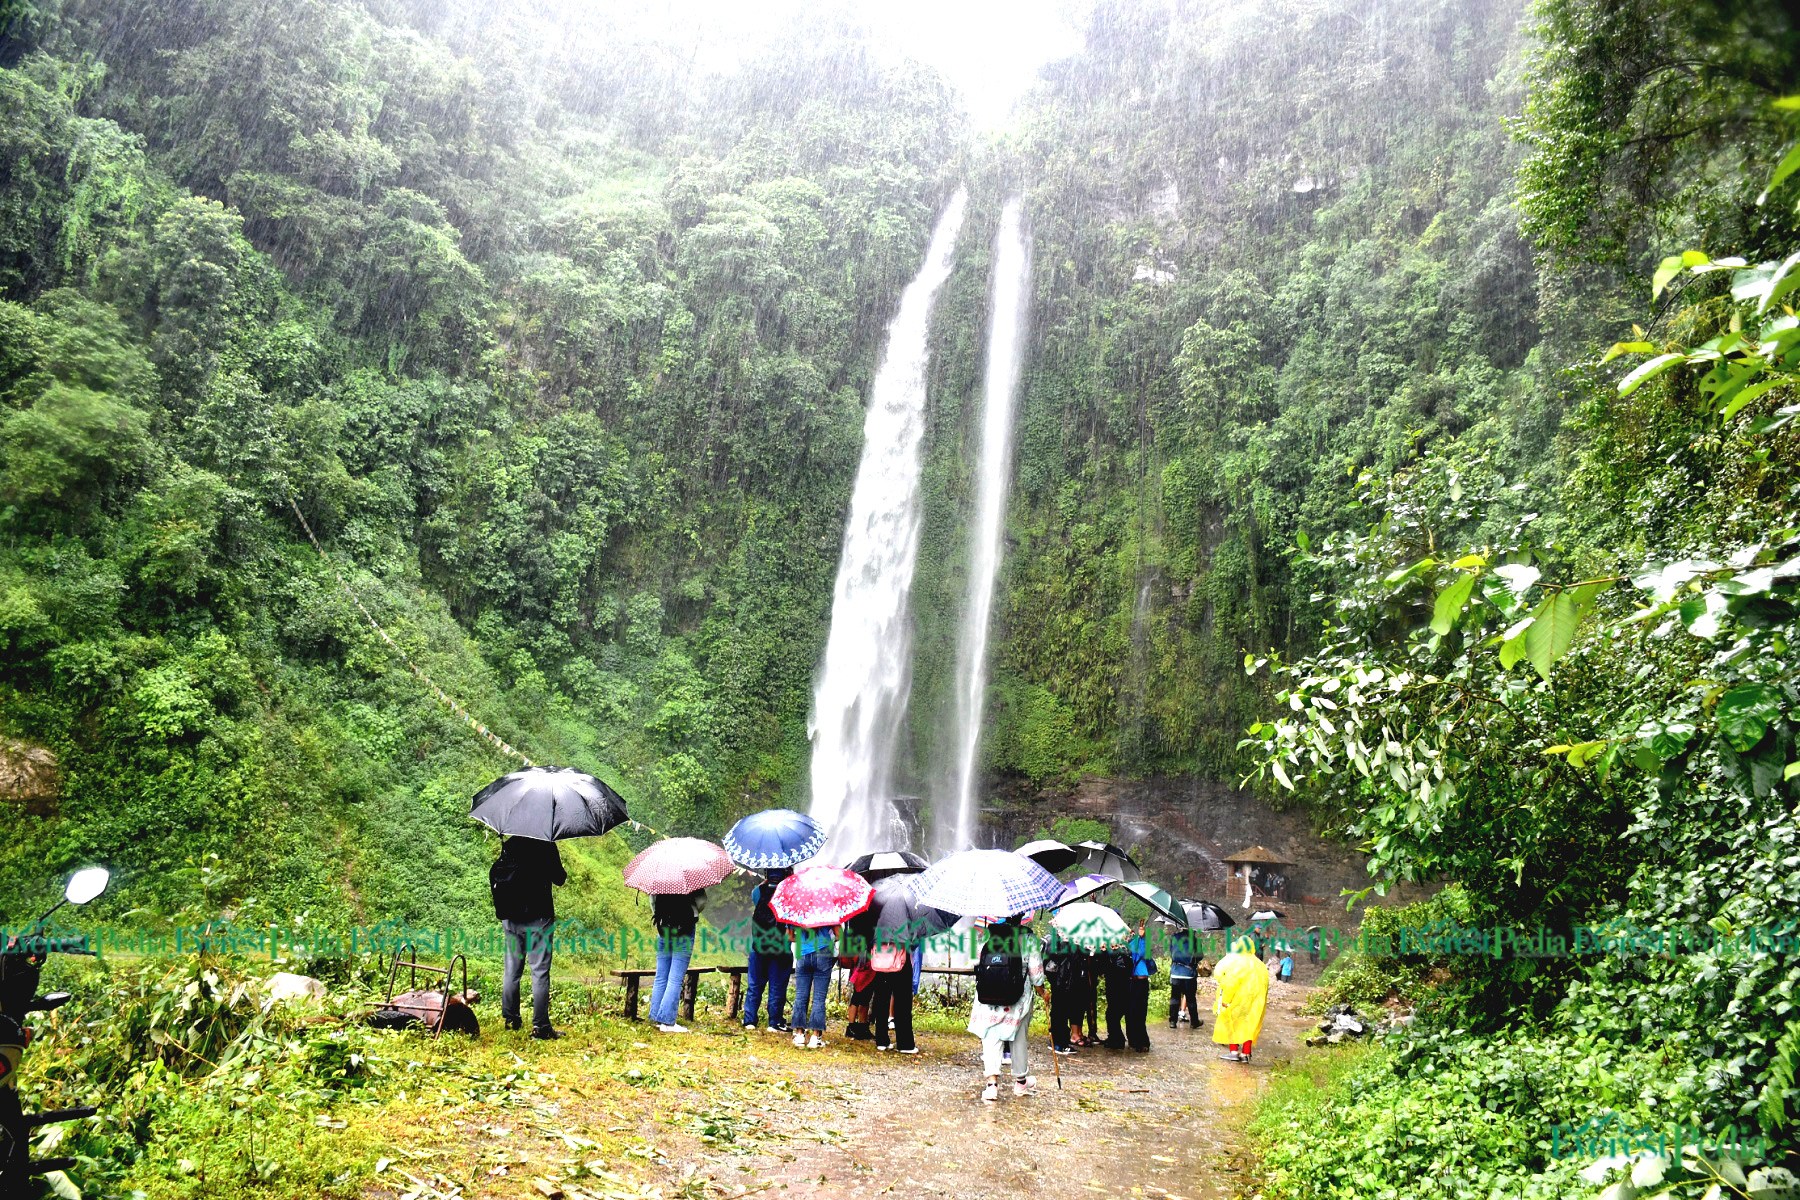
x,y
572,399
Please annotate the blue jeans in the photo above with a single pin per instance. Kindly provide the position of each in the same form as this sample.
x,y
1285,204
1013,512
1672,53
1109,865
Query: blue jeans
x,y
672,956
771,971
812,980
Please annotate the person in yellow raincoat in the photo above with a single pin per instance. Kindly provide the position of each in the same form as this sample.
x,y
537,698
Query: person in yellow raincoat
x,y
1240,1001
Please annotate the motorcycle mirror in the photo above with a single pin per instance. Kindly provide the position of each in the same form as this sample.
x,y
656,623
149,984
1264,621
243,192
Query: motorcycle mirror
x,y
85,884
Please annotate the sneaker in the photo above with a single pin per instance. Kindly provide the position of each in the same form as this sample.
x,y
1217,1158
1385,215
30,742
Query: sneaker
x,y
546,1035
781,1027
1231,1056
674,1028
1006,1059
800,1040
815,1043
1062,1050
750,1028
914,1050
1025,1087
883,1046
514,1023
990,1093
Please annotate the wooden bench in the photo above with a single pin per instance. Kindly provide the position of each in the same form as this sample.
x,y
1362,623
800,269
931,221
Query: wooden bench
x,y
690,992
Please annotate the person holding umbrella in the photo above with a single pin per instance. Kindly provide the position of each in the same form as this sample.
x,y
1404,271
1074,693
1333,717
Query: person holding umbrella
x,y
520,881
533,809
890,958
1184,980
815,901
675,915
1008,973
770,962
675,872
998,884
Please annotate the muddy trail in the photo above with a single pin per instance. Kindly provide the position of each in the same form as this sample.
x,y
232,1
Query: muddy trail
x,y
615,1111
1164,1123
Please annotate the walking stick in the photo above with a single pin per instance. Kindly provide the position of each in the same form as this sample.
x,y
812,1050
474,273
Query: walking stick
x,y
1056,1067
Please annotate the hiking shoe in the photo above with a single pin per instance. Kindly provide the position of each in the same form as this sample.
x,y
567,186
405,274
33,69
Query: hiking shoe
x,y
546,1035
815,1043
859,1031
990,1093
800,1040
514,1023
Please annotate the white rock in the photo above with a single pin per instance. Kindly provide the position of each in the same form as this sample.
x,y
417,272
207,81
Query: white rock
x,y
285,985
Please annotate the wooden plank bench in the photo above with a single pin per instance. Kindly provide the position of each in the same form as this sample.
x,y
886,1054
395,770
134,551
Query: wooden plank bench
x,y
690,992
634,979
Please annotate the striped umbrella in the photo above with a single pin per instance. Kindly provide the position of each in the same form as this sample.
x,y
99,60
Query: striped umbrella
x,y
779,837
884,863
821,896
677,865
988,883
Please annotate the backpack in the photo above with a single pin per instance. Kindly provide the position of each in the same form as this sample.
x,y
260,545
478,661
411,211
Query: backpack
x,y
999,978
505,886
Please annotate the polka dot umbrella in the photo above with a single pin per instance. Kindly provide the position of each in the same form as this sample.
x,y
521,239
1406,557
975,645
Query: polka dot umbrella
x,y
821,896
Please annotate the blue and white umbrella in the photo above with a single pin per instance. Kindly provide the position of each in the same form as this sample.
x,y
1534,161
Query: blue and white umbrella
x,y
779,837
988,883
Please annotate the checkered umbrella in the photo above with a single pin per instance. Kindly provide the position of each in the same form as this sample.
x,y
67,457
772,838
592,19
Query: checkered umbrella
x,y
676,866
988,883
821,896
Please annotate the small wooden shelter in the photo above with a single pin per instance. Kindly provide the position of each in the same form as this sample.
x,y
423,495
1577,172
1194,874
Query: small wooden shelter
x,y
1264,871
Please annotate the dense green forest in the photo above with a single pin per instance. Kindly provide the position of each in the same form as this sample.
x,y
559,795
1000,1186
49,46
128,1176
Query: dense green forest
x,y
561,346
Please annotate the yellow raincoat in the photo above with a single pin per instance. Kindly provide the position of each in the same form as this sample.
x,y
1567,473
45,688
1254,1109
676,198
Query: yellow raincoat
x,y
1242,996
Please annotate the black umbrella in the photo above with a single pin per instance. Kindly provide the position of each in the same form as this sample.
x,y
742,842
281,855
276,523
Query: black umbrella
x,y
884,863
1207,916
549,804
1050,854
1104,858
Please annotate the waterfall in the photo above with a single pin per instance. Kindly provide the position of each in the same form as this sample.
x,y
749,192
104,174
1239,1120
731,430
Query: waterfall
x,y
1005,356
859,702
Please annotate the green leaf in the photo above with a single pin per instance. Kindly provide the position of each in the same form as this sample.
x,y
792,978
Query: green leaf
x,y
1745,713
1552,632
1619,348
1783,281
1512,643
1648,370
1790,162
1450,604
1666,271
1747,395
1792,770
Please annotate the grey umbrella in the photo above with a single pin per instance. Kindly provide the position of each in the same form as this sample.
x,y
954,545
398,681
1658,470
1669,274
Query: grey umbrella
x,y
549,804
900,918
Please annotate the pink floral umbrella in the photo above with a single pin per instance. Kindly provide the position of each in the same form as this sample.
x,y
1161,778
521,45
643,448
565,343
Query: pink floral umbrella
x,y
677,865
819,896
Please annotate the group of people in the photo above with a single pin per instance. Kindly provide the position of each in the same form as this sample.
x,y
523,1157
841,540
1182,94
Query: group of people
x,y
1014,970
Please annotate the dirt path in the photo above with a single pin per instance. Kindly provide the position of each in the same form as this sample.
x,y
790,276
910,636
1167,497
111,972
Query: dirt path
x,y
1165,1123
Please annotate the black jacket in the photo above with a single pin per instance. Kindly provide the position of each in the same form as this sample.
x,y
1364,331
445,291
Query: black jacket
x,y
535,866
676,915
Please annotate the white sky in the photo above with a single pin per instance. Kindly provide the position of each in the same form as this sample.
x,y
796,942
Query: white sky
x,y
990,50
